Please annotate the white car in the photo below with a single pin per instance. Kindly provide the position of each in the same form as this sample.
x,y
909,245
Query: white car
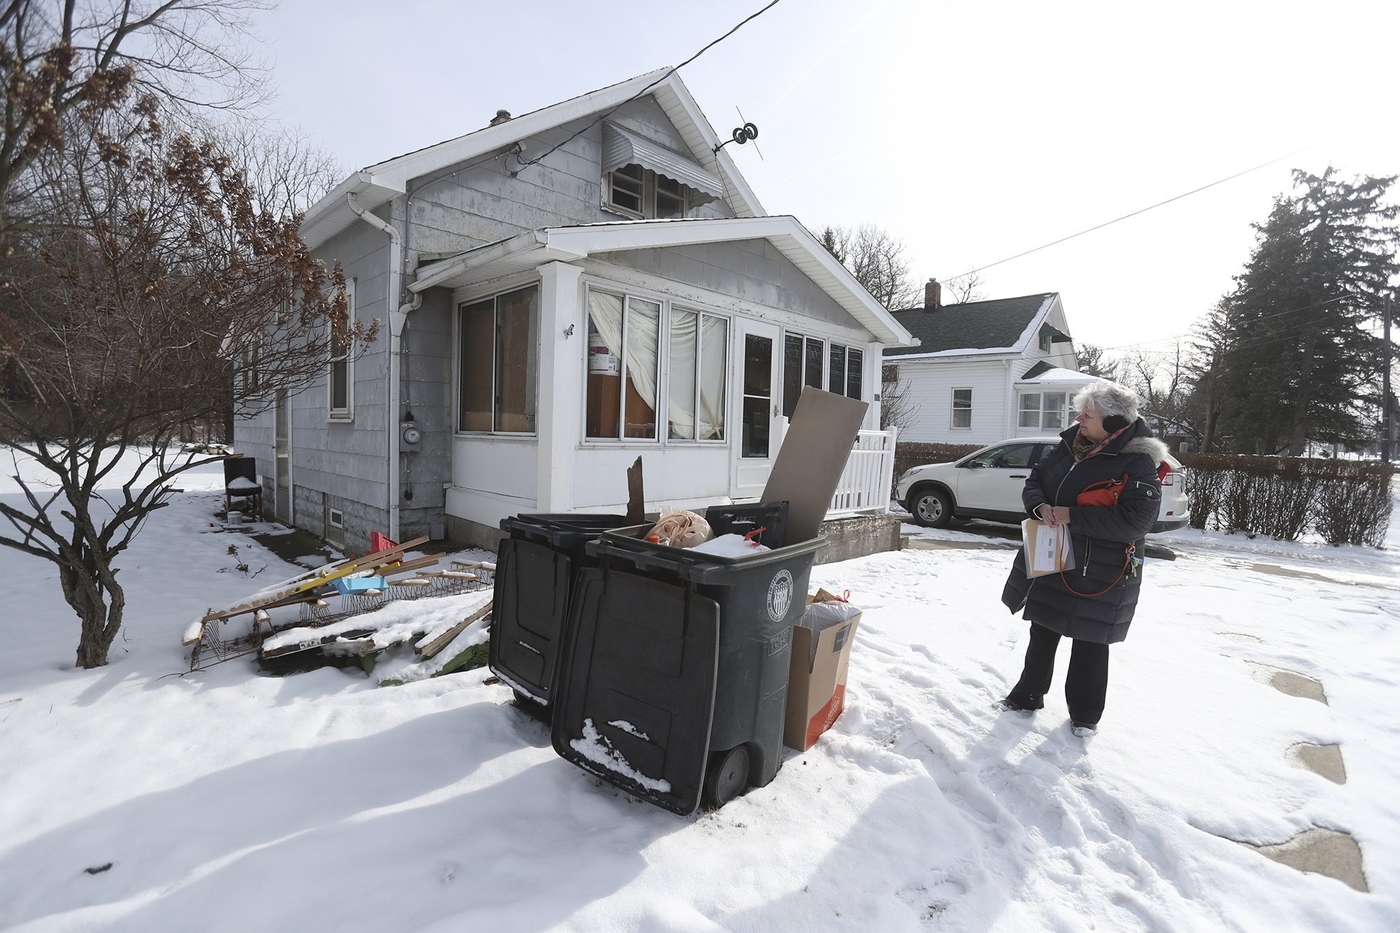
x,y
987,484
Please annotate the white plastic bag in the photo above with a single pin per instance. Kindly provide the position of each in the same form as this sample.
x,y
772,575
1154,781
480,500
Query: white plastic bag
x,y
680,529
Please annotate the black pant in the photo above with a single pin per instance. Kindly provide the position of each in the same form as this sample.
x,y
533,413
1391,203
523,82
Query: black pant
x,y
1085,685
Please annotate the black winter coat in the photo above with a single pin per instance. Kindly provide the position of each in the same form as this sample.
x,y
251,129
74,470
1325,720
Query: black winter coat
x,y
1100,535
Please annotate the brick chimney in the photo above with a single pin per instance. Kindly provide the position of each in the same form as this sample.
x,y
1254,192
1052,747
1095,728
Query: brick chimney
x,y
933,295
500,117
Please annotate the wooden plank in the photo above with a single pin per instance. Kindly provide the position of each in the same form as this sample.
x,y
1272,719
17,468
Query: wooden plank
x,y
445,639
287,592
417,564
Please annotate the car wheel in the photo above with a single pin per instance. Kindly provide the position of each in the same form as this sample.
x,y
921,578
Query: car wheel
x,y
931,508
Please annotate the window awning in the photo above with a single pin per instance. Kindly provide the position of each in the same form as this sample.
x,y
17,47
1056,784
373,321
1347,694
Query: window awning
x,y
623,147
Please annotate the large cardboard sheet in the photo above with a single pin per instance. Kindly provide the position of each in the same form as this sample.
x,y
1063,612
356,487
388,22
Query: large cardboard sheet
x,y
818,443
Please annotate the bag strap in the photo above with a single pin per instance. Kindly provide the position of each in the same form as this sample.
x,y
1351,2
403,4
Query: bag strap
x,y
1127,559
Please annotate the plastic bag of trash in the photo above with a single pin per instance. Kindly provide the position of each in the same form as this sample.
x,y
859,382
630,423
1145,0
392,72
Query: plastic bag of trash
x,y
679,529
730,545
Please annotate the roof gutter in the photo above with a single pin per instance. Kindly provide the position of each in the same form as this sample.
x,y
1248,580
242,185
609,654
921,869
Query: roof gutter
x,y
398,318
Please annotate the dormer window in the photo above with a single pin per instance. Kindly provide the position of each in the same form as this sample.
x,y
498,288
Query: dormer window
x,y
640,192
646,180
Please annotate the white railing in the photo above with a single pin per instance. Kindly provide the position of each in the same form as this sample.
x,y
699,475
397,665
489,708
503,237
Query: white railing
x,y
868,478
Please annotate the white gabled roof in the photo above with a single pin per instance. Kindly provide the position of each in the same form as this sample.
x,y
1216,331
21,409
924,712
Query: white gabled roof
x,y
1058,374
548,244
377,184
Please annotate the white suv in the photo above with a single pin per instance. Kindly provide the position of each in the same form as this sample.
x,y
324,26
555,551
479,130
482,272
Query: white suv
x,y
987,484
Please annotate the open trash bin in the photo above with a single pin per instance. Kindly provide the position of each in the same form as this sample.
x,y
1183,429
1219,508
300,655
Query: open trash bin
x,y
537,568
674,678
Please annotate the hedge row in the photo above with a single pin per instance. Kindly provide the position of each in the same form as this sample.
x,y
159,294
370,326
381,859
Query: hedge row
x,y
1344,501
908,455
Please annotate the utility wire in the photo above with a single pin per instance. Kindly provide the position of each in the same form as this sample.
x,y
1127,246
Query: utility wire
x,y
670,71
1144,210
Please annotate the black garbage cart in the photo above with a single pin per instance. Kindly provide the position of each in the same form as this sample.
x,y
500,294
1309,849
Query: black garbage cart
x,y
537,569
674,678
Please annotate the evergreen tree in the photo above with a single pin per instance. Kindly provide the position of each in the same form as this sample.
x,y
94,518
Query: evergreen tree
x,y
1298,350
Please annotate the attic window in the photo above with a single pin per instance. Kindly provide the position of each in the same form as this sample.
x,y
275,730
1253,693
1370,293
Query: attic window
x,y
641,193
644,179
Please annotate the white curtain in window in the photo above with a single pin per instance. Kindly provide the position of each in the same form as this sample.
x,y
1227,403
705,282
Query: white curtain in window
x,y
643,324
643,333
680,399
714,342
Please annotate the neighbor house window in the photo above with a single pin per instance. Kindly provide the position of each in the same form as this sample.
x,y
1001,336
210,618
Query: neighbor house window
x,y
846,371
341,373
641,193
633,384
499,352
1042,410
962,408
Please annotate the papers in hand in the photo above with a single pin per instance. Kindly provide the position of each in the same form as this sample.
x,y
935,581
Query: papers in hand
x,y
1048,548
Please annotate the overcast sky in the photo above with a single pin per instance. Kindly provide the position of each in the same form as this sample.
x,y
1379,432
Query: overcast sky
x,y
971,131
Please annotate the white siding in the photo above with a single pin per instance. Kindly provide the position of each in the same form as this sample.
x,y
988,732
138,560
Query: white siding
x,y
930,389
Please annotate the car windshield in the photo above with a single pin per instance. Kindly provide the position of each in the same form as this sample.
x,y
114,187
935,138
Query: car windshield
x,y
1007,456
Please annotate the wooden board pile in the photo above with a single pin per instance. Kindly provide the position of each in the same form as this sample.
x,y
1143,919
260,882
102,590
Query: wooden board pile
x,y
354,608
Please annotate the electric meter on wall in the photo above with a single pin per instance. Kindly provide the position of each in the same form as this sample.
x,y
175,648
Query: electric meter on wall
x,y
411,435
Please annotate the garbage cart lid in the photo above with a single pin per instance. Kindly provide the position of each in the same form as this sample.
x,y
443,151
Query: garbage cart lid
x,y
637,691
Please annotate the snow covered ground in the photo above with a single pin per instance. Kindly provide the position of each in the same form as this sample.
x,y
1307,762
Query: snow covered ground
x,y
229,800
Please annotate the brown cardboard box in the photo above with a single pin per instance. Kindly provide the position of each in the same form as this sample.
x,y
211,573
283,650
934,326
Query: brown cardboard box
x,y
821,653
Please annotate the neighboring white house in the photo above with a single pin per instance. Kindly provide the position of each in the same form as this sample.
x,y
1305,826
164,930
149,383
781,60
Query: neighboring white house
x,y
560,293
984,371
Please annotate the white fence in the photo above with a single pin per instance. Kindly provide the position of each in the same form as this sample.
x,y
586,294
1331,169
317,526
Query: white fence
x,y
868,478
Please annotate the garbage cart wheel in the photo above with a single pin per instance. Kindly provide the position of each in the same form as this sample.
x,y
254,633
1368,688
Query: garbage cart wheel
x,y
727,776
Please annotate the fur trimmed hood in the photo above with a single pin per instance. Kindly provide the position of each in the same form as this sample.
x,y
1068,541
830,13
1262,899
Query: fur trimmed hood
x,y
1147,445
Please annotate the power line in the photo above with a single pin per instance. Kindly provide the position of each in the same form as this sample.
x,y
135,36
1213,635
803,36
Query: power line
x,y
670,71
1135,213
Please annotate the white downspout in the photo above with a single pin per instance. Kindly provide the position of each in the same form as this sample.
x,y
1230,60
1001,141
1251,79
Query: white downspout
x,y
398,317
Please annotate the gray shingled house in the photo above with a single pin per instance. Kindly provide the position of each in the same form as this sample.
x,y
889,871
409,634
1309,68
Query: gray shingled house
x,y
560,293
983,371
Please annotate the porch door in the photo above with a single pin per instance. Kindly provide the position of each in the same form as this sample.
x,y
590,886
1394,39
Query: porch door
x,y
759,408
283,430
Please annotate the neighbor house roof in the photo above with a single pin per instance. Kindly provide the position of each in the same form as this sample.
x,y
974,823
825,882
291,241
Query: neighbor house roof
x,y
377,184
1004,325
567,244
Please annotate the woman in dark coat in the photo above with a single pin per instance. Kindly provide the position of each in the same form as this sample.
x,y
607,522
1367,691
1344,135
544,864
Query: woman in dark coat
x,y
1092,603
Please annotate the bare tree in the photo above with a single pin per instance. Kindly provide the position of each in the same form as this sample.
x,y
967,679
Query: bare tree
x,y
1163,381
123,304
1095,361
965,288
897,405
60,55
876,259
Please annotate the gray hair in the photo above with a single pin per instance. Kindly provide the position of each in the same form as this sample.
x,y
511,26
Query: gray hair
x,y
1107,398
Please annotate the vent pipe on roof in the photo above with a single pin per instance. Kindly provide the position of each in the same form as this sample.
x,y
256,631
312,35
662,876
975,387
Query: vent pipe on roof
x,y
500,117
933,295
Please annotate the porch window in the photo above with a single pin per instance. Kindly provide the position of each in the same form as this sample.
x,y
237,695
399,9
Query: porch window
x,y
499,353
649,360
1042,410
962,408
847,370
623,344
803,365
698,358
340,376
